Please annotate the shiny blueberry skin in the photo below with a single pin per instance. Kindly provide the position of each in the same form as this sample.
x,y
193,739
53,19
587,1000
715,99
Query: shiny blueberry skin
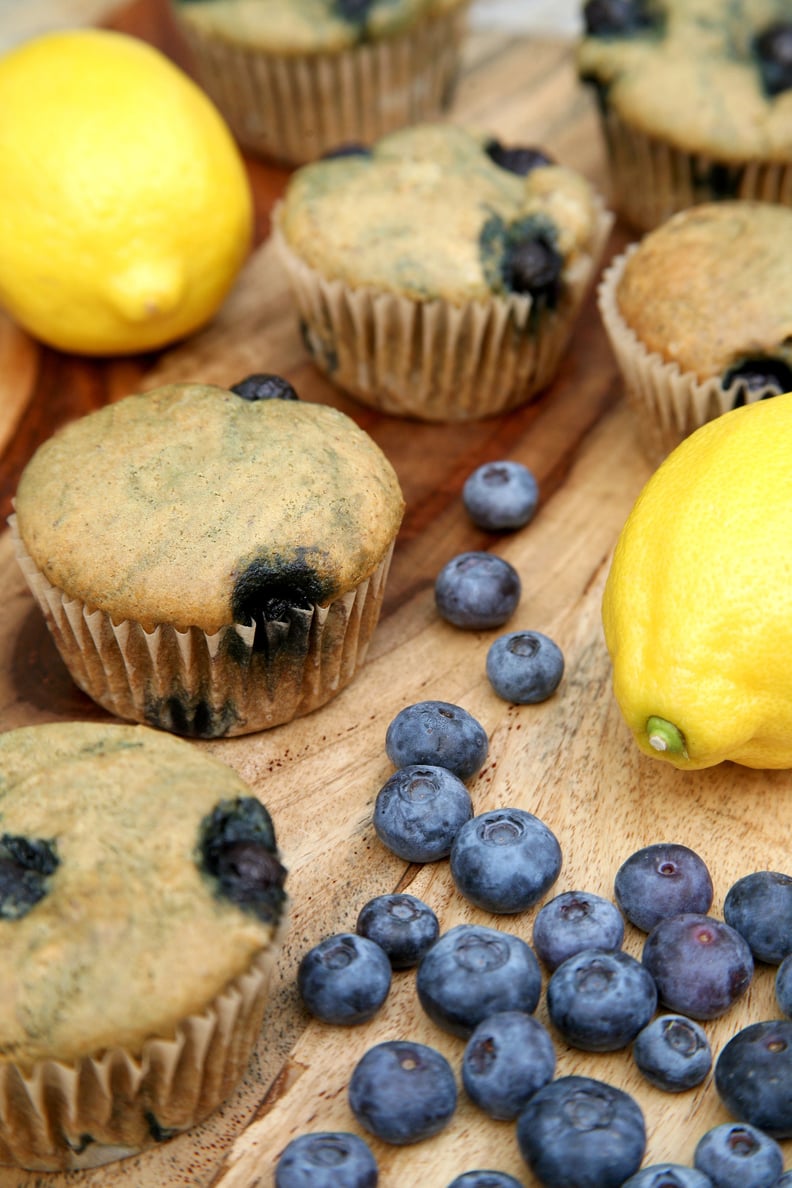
x,y
773,48
344,979
264,386
327,1159
524,667
518,159
477,591
701,966
505,860
437,733
599,1000
471,972
668,1175
739,1156
759,906
753,1076
582,1132
673,1053
662,880
402,1092
783,986
573,921
501,496
419,811
610,18
508,1057
404,926
482,1178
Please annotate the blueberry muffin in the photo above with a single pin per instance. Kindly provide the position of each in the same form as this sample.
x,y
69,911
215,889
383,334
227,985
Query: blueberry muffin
x,y
699,314
695,98
438,275
209,562
141,910
295,78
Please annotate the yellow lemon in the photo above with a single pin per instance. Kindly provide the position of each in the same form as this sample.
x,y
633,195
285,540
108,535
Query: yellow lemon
x,y
125,209
697,608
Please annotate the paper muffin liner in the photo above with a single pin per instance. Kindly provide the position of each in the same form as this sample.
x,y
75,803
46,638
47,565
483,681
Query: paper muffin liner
x,y
651,180
668,403
295,107
74,1115
433,360
237,680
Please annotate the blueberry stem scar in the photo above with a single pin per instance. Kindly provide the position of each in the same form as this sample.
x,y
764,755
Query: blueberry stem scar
x,y
665,736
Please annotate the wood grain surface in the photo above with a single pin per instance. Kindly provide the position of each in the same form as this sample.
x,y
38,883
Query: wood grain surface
x,y
570,760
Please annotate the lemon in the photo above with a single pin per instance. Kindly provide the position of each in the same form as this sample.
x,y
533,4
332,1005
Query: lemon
x,y
125,209
697,608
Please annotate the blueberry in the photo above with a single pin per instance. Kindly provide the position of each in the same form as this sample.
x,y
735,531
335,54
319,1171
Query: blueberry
x,y
500,496
237,848
701,966
581,1132
599,1000
517,158
753,1076
484,1179
405,927
532,264
784,1181
26,865
524,667
264,386
477,591
327,1159
783,986
350,148
505,860
673,1053
419,811
573,921
471,972
662,880
768,375
668,1175
437,732
759,906
344,979
402,1091
773,48
508,1057
609,18
354,11
739,1156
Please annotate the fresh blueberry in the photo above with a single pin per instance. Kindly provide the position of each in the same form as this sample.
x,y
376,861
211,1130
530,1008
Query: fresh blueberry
x,y
500,496
759,906
783,986
344,979
237,848
505,860
484,1179
773,48
764,374
701,966
609,18
668,1175
477,591
662,880
402,1091
599,1000
437,732
524,667
327,1159
264,386
419,811
784,1181
739,1156
581,1132
673,1053
516,158
471,972
507,1058
753,1076
532,264
405,927
573,921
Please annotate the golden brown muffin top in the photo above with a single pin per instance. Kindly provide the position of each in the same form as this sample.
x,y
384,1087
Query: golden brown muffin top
x,y
693,78
185,504
712,287
107,825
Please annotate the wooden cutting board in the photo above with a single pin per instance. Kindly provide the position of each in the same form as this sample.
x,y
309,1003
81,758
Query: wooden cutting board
x,y
570,760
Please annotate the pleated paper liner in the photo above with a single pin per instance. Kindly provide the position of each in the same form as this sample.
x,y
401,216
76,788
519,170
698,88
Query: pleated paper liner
x,y
295,107
237,680
433,360
668,403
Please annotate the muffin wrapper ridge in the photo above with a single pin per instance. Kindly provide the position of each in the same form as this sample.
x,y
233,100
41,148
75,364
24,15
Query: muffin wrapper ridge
x,y
211,685
434,360
295,107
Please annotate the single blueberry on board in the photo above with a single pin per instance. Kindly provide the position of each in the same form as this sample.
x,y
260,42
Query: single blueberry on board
x,y
477,591
327,1159
520,159
264,386
573,921
505,860
419,810
402,1091
753,1076
739,1156
484,1178
759,906
500,496
668,1175
783,986
661,880
344,979
673,1053
508,1056
403,925
524,667
599,1000
701,966
437,733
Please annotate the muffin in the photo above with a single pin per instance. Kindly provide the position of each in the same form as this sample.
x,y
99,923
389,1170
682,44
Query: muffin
x,y
295,78
141,912
208,562
439,274
699,314
695,98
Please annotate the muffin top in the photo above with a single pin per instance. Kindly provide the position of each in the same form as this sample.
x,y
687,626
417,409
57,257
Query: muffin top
x,y
711,289
428,213
118,914
191,506
699,74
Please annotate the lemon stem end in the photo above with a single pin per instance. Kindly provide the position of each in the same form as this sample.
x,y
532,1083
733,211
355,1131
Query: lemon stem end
x,y
665,736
